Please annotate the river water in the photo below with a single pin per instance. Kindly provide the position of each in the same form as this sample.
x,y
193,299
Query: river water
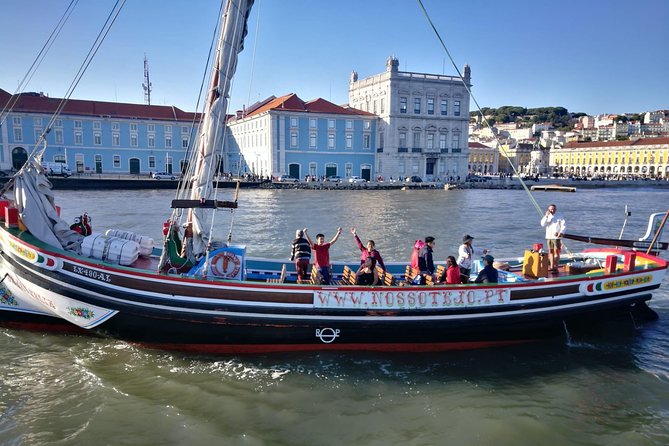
x,y
608,388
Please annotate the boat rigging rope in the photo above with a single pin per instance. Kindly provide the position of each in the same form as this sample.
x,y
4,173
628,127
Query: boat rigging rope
x,y
9,106
499,145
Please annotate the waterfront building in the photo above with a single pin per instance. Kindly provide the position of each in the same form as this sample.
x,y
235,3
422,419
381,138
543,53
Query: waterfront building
x,y
647,157
483,160
423,121
518,154
95,136
288,136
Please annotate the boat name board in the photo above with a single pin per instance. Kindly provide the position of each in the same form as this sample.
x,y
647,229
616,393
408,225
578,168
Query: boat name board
x,y
414,299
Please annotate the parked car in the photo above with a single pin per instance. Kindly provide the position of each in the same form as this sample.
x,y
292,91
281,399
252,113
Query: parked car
x,y
414,179
333,179
356,179
164,176
287,179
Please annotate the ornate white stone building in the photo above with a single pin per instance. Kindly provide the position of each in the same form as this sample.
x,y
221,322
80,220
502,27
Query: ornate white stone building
x,y
423,121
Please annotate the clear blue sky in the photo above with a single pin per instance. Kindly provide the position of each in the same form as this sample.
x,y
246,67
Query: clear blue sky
x,y
586,55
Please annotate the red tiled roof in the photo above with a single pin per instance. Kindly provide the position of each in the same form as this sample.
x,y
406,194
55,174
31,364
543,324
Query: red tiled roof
x,y
478,145
37,103
292,102
634,142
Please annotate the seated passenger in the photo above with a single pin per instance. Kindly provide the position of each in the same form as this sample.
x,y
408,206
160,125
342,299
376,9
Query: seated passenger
x,y
452,271
366,274
488,274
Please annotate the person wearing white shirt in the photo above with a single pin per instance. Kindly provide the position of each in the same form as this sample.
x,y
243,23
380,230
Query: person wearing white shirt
x,y
555,226
466,253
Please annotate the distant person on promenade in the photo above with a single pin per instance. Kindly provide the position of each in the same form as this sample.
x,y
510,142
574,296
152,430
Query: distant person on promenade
x,y
366,274
368,252
466,254
555,225
322,253
301,253
488,274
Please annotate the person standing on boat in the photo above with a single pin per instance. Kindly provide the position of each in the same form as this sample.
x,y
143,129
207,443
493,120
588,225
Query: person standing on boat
x,y
322,253
425,262
555,225
488,274
301,254
466,254
368,252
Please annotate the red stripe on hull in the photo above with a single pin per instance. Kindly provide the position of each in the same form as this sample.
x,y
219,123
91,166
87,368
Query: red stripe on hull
x,y
372,347
65,328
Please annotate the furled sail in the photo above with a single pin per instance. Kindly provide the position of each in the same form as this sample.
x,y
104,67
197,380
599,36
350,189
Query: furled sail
x,y
35,203
210,140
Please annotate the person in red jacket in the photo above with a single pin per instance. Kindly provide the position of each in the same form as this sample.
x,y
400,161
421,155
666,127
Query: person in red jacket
x,y
368,252
452,271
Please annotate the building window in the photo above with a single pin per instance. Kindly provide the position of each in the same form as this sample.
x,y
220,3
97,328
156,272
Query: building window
x,y
430,141
18,135
58,134
97,139
403,140
430,106
133,140
366,141
152,162
312,123
313,169
151,141
58,123
444,107
367,125
38,133
331,141
37,122
184,129
150,127
456,108
293,122
349,141
78,138
312,140
16,120
116,139
77,124
116,126
331,124
349,124
293,139
348,169
383,105
403,104
442,141
416,106
416,140
97,125
184,142
117,161
402,167
168,129
168,142
374,106
456,142
133,127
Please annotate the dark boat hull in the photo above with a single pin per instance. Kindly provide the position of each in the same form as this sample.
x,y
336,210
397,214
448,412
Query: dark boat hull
x,y
216,316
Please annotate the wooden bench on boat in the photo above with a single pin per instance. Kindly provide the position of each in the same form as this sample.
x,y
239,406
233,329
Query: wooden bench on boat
x,y
315,277
410,273
347,277
281,278
385,278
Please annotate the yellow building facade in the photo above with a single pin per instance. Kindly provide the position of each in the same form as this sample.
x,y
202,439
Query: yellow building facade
x,y
646,157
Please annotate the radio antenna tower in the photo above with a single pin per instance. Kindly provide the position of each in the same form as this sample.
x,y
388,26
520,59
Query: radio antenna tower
x,y
147,83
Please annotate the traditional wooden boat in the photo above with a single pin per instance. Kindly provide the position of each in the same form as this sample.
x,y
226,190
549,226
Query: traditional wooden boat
x,y
199,294
553,188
